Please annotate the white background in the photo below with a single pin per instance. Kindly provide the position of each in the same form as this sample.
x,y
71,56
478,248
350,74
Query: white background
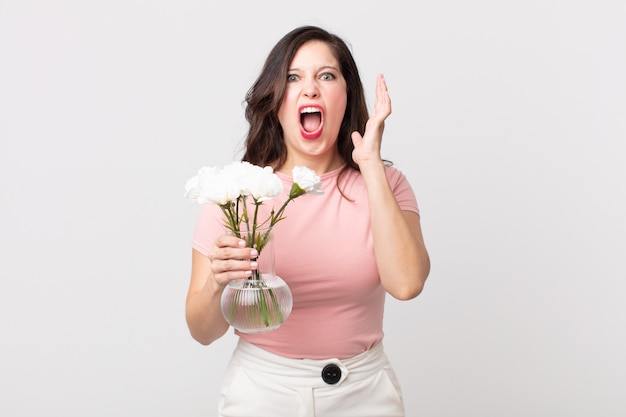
x,y
508,119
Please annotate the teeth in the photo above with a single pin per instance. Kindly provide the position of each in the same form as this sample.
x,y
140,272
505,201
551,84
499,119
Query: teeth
x,y
310,110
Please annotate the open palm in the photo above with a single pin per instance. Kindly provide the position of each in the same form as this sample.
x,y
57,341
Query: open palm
x,y
367,147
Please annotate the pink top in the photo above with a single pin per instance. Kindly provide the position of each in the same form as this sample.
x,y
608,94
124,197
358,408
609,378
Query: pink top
x,y
325,253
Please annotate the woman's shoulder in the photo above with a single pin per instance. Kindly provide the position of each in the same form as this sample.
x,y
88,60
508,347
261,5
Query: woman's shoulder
x,y
394,174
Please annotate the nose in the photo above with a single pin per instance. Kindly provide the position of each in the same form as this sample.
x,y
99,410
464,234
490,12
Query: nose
x,y
310,90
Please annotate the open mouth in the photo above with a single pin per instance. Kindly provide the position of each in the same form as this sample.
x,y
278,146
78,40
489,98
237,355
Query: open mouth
x,y
311,122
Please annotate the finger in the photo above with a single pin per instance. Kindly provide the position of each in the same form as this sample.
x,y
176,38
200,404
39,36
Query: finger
x,y
225,266
230,269
229,241
223,278
356,138
381,88
381,85
225,253
231,247
383,101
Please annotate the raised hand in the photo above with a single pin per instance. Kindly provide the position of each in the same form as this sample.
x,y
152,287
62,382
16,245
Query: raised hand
x,y
367,147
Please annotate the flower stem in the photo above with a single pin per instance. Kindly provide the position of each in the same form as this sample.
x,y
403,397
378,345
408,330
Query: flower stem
x,y
278,217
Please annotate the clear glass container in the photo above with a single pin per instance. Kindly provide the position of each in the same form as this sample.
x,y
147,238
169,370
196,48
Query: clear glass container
x,y
263,301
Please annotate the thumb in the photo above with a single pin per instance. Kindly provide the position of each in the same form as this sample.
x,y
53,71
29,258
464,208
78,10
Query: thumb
x,y
356,138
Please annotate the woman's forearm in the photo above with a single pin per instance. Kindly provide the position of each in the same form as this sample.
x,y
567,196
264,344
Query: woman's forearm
x,y
203,312
401,255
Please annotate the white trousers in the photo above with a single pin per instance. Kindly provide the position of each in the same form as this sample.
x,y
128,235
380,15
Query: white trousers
x,y
258,383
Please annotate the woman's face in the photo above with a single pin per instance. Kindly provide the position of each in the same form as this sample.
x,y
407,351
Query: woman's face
x,y
313,106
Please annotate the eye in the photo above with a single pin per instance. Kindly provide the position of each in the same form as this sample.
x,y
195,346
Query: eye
x,y
327,76
292,77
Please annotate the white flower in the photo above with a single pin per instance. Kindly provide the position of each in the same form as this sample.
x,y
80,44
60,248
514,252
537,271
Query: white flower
x,y
264,184
221,186
231,186
214,186
199,187
307,179
235,177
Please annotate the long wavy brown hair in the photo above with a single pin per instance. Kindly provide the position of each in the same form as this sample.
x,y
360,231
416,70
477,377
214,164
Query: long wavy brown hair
x,y
265,143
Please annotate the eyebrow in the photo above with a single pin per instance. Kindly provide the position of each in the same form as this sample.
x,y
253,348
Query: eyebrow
x,y
322,68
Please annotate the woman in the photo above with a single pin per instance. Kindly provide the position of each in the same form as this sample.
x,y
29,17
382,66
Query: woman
x,y
340,252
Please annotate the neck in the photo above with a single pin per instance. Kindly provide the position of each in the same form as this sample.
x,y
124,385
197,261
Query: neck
x,y
320,166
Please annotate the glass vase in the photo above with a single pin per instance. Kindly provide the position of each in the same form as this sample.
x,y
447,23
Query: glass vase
x,y
263,301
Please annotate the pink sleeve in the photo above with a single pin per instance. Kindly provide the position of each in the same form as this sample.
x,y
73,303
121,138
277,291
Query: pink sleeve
x,y
209,226
402,190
